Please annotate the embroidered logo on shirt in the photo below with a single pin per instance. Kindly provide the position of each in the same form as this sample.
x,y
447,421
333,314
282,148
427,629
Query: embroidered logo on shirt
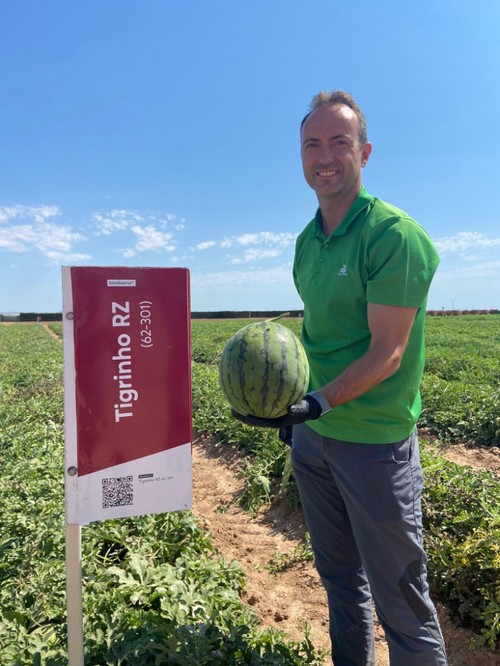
x,y
343,271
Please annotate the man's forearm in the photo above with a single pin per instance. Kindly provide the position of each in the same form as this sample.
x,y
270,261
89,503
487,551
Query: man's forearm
x,y
362,375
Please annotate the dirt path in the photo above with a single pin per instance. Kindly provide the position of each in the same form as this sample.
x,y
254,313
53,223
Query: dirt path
x,y
51,332
290,598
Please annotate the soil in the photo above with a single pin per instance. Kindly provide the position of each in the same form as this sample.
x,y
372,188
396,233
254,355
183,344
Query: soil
x,y
290,598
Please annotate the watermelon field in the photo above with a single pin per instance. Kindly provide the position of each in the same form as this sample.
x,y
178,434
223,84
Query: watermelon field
x,y
156,589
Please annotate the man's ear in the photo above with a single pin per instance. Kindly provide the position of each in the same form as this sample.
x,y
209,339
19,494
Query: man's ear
x,y
365,153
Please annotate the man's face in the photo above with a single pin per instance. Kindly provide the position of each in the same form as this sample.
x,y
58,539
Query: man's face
x,y
332,157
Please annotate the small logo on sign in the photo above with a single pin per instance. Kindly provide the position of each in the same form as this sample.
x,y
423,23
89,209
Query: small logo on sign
x,y
121,283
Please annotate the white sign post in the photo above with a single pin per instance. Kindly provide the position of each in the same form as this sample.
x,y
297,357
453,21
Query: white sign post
x,y
73,530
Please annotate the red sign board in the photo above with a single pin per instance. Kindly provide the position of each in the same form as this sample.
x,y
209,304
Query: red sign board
x,y
128,384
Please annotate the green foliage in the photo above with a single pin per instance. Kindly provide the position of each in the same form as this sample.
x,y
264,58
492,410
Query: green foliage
x,y
302,553
211,414
155,590
461,383
208,337
461,397
462,523
459,411
56,328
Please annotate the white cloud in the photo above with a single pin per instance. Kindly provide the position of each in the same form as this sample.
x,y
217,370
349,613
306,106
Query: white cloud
x,y
275,276
150,239
107,223
465,240
257,247
115,220
255,255
205,245
245,290
178,223
56,237
28,228
70,257
261,238
35,213
149,229
481,269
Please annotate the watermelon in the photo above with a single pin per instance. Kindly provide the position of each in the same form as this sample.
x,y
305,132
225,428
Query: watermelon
x,y
263,370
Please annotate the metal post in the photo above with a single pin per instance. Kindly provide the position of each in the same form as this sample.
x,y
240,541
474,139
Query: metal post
x,y
74,594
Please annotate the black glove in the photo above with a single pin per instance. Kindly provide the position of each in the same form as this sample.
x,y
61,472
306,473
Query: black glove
x,y
285,434
307,409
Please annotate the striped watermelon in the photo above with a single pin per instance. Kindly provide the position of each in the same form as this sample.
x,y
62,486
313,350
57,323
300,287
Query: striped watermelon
x,y
263,370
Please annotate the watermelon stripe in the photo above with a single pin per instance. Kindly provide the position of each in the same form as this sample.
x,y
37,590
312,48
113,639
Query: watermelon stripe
x,y
265,329
278,401
292,394
225,374
242,375
231,370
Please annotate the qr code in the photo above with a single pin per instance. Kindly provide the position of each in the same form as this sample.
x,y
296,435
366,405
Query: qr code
x,y
117,491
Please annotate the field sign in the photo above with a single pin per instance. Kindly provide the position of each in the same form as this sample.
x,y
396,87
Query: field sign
x,y
127,391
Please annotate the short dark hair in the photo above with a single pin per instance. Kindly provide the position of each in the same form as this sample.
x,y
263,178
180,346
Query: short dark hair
x,y
333,97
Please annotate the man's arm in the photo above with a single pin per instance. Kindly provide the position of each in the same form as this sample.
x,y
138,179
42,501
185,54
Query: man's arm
x,y
390,328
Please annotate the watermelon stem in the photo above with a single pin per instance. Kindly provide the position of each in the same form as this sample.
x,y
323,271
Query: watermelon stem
x,y
287,470
283,314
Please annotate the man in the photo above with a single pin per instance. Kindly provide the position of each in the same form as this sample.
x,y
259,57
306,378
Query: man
x,y
363,269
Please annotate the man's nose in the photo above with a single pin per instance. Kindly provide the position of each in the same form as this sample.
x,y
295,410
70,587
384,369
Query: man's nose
x,y
326,152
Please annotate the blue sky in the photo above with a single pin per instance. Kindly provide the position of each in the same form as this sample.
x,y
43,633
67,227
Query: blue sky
x,y
165,133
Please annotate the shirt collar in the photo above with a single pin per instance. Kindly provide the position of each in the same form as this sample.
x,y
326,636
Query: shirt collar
x,y
360,203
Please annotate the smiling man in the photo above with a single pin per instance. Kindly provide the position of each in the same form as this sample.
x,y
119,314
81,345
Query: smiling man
x,y
363,269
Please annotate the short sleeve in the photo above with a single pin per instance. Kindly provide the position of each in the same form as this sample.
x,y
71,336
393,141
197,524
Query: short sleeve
x,y
401,262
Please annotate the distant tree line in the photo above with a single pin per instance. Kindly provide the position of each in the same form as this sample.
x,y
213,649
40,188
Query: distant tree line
x,y
32,316
448,313
245,314
226,314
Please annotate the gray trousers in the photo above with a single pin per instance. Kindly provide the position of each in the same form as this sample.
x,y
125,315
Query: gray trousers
x,y
362,508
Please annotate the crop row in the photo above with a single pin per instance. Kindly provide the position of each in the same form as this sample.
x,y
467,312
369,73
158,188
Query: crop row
x,y
461,382
155,589
461,514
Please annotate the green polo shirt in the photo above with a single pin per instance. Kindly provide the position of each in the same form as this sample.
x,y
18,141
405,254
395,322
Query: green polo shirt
x,y
378,254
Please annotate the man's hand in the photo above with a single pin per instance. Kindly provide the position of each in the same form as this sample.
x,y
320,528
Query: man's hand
x,y
310,407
